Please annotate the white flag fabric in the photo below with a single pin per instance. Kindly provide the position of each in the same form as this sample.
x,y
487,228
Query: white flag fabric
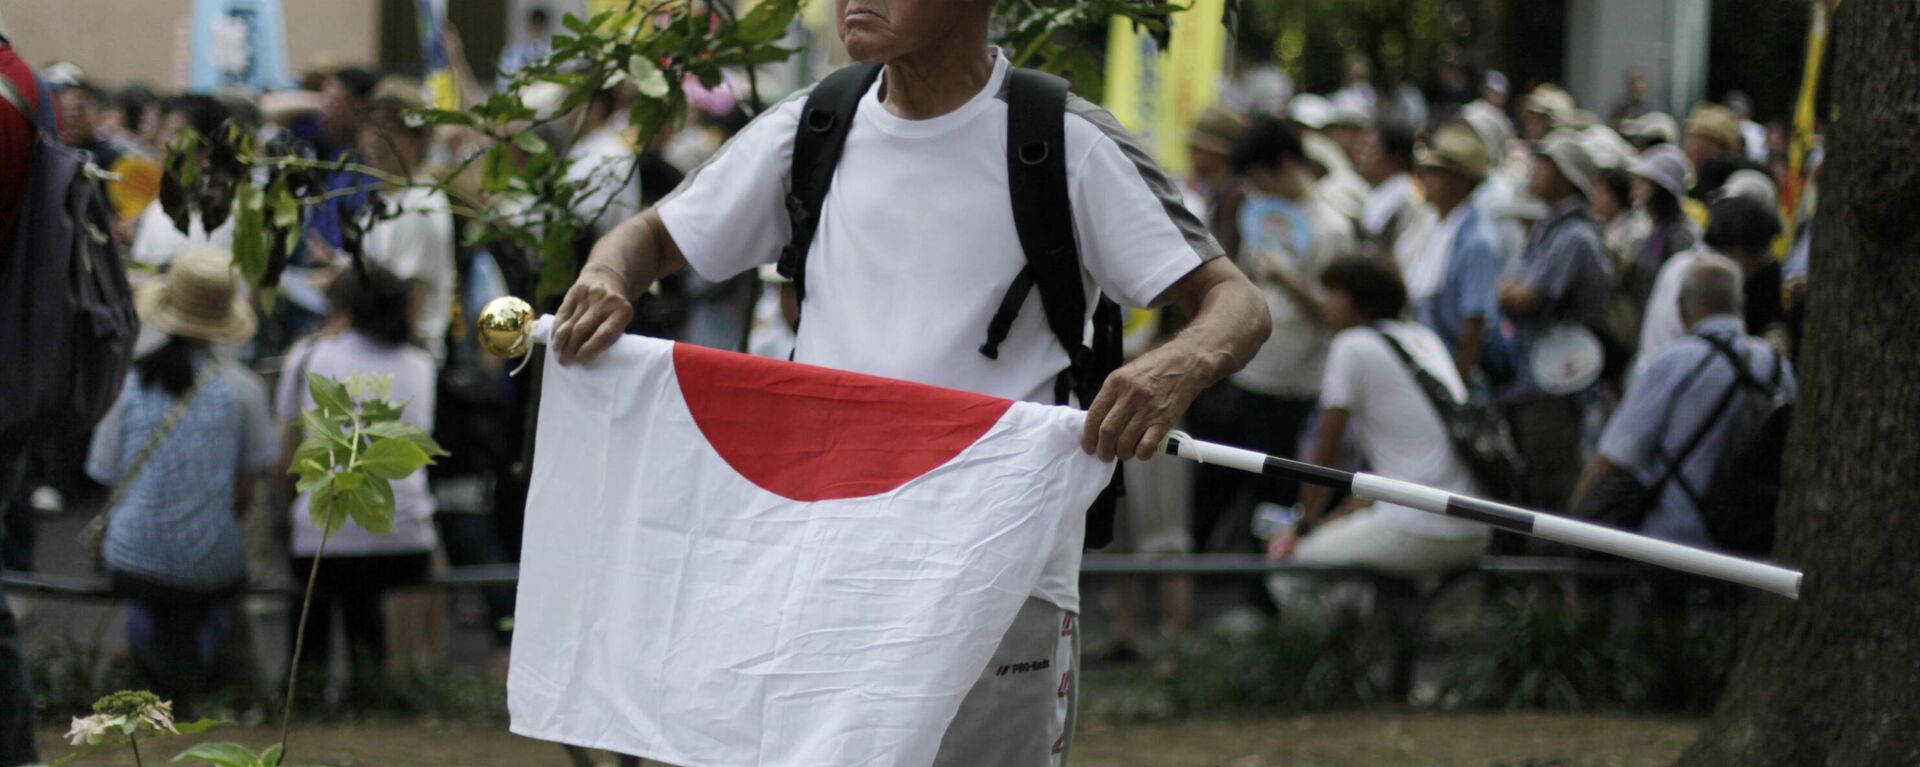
x,y
731,560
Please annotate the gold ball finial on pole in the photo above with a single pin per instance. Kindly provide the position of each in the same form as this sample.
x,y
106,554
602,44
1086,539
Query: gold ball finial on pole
x,y
506,327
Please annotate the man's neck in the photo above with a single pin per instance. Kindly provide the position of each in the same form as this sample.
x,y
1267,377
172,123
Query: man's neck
x,y
930,83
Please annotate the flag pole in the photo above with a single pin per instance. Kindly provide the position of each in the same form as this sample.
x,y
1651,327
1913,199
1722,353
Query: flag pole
x,y
506,329
1586,535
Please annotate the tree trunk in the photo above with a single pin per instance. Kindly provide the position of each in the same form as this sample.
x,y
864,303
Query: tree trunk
x,y
1833,680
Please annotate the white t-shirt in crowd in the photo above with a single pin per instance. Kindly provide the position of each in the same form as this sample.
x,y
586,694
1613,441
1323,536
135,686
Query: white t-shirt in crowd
x,y
156,241
603,162
1394,423
350,354
1384,202
418,245
1661,324
916,246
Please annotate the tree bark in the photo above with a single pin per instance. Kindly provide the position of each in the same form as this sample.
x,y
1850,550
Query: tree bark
x,y
1834,679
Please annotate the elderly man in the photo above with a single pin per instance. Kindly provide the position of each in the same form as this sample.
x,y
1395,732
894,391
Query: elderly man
x,y
1678,419
1564,276
916,245
1454,282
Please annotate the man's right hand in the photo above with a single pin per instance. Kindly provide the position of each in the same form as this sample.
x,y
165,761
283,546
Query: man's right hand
x,y
593,315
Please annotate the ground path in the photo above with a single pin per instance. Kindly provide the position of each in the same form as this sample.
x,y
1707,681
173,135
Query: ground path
x,y
1337,740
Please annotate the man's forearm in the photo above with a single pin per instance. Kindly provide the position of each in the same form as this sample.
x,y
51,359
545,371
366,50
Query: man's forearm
x,y
639,250
1230,321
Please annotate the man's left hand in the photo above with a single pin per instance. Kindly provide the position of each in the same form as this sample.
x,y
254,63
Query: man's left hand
x,y
1141,402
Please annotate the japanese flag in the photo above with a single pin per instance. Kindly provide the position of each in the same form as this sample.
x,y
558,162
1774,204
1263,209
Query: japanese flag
x,y
731,560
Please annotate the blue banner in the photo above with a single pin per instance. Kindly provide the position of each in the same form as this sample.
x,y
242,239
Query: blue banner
x,y
238,44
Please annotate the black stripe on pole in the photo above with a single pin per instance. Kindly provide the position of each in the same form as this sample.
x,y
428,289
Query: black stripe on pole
x,y
1309,473
1490,514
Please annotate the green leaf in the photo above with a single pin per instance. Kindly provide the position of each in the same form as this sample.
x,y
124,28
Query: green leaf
x,y
314,482
380,411
329,396
408,432
496,169
529,142
768,21
220,754
249,232
392,459
367,506
419,118
347,482
319,426
321,510
647,77
366,386
195,728
271,756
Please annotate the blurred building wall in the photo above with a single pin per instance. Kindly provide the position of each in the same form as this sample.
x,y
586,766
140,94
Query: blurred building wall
x,y
124,41
1666,39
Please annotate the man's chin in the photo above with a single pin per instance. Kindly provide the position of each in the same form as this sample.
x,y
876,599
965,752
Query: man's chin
x,y
868,48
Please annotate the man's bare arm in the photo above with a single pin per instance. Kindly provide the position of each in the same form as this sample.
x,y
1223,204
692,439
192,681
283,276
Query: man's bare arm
x,y
637,253
1143,400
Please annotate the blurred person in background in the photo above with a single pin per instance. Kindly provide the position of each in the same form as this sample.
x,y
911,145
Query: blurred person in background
x,y
1453,284
1287,235
534,44
1637,100
1743,229
1659,185
410,231
1404,103
82,107
1714,146
1387,164
368,334
1753,135
1564,276
1670,432
1356,91
1543,110
1372,392
183,447
158,238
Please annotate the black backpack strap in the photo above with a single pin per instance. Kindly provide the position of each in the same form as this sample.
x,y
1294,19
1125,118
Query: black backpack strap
x,y
1043,217
817,143
1042,213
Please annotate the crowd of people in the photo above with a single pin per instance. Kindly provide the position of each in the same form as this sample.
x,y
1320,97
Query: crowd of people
x,y
1623,292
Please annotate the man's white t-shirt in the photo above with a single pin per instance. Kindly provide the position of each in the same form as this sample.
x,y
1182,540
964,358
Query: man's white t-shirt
x,y
917,247
1395,424
418,245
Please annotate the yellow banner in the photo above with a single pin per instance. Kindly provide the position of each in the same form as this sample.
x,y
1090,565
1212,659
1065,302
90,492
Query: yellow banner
x,y
1160,94
1795,185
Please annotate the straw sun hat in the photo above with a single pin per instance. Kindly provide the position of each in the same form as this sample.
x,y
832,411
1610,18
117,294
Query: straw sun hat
x,y
196,298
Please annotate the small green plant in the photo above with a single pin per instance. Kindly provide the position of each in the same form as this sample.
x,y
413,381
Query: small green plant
x,y
355,446
131,717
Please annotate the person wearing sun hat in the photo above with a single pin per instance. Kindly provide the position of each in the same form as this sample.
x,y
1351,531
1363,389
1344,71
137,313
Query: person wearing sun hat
x,y
1212,191
1563,277
1452,284
1660,179
189,435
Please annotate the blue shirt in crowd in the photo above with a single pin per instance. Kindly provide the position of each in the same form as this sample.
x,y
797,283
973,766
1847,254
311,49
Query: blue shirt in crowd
x,y
175,525
1671,402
